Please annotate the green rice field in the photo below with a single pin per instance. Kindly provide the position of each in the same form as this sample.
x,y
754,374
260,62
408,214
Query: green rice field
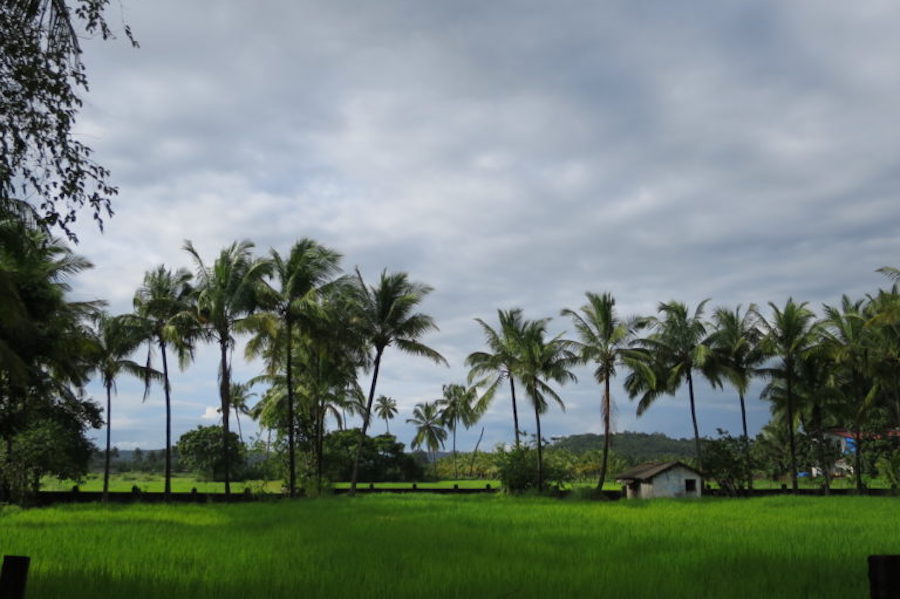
x,y
183,483
449,546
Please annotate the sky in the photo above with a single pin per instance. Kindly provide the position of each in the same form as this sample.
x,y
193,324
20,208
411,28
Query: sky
x,y
506,153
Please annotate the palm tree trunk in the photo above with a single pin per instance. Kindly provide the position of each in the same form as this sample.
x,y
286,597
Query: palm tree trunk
x,y
537,418
475,454
857,458
237,417
321,413
790,424
694,422
292,458
320,437
746,442
108,438
606,414
365,426
455,467
168,484
820,443
387,426
512,389
224,395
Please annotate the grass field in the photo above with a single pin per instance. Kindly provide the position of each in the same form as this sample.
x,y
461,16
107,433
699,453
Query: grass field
x,y
183,483
437,547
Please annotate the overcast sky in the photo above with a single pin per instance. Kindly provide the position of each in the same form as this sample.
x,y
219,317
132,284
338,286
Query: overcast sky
x,y
507,154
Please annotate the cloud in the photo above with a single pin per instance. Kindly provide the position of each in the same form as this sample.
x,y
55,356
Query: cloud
x,y
211,413
508,153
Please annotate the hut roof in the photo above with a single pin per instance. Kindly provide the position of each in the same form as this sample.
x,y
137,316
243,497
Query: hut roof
x,y
647,471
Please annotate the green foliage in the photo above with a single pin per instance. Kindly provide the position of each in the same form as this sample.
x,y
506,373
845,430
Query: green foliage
x,y
54,443
40,76
381,458
725,462
517,469
201,450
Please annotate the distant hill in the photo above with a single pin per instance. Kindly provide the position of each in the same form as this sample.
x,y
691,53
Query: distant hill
x,y
635,447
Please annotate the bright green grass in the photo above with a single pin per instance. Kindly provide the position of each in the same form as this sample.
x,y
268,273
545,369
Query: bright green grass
x,y
438,546
183,483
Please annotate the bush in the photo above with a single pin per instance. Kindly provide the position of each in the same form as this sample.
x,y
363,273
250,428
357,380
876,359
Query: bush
x,y
518,469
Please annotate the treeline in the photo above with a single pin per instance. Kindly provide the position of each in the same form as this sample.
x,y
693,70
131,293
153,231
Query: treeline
x,y
317,331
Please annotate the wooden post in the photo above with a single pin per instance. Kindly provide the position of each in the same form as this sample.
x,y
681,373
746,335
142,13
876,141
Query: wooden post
x,y
13,576
884,576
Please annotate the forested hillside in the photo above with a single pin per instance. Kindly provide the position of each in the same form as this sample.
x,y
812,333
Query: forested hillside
x,y
636,447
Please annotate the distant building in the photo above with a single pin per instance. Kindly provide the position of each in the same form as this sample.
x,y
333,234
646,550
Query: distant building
x,y
661,479
847,438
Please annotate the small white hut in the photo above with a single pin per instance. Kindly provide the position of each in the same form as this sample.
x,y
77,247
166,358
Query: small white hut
x,y
661,479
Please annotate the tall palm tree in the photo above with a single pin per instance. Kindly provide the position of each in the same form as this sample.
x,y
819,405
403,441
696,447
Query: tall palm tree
x,y
544,361
788,336
299,279
459,405
735,341
429,430
161,306
386,408
225,293
386,316
114,340
605,340
850,343
678,347
500,361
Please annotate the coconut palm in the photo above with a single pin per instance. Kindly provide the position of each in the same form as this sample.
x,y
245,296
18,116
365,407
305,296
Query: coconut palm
x,y
240,395
541,362
386,408
161,306
385,316
605,340
299,279
429,431
678,347
113,341
735,342
500,362
225,293
459,405
788,336
850,343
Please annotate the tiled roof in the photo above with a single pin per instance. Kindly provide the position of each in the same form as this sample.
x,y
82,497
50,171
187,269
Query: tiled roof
x,y
645,472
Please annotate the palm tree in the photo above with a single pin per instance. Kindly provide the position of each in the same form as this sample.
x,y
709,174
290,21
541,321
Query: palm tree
x,y
792,332
386,408
735,341
458,406
240,395
114,340
300,278
385,316
850,343
543,361
604,340
429,430
226,292
501,361
161,305
678,347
